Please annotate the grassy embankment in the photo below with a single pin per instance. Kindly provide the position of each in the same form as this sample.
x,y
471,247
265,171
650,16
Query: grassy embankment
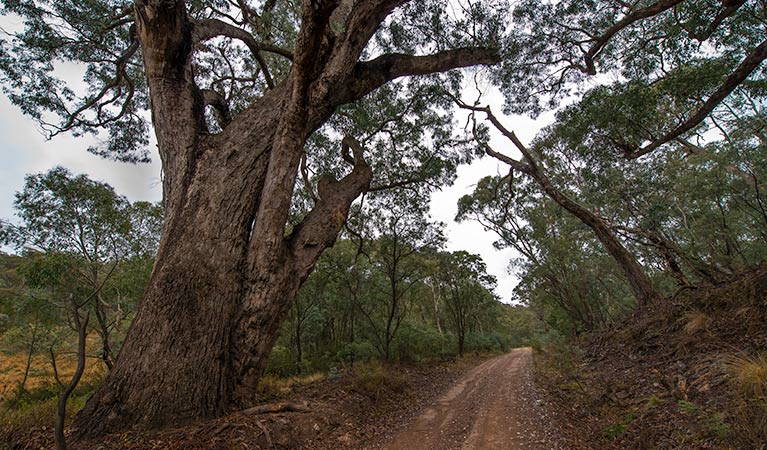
x,y
688,373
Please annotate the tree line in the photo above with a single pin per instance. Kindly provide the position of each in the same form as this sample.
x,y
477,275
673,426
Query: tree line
x,y
86,251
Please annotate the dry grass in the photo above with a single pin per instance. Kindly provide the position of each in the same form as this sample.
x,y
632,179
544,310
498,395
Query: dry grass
x,y
41,372
695,321
273,385
749,378
374,378
749,374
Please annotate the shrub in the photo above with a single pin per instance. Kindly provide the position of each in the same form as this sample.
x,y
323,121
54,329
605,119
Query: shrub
x,y
281,362
749,378
353,352
374,380
416,342
486,342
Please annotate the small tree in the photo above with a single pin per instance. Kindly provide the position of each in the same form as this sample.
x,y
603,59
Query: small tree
x,y
93,229
403,230
76,232
468,290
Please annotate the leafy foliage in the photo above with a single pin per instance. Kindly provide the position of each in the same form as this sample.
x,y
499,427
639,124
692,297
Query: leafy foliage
x,y
80,242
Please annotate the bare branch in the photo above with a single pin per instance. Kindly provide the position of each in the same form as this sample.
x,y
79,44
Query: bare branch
x,y
531,166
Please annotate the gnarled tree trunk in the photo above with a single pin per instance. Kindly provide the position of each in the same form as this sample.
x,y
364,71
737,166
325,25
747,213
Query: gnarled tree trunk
x,y
226,272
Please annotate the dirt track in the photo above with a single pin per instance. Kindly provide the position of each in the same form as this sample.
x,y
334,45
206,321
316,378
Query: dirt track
x,y
494,406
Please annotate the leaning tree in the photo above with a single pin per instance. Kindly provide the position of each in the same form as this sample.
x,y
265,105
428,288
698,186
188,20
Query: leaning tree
x,y
681,64
244,95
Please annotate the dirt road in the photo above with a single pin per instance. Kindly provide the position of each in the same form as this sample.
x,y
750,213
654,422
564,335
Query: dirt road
x,y
491,407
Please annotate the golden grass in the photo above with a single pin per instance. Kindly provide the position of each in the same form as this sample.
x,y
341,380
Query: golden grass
x,y
749,374
275,385
749,413
41,372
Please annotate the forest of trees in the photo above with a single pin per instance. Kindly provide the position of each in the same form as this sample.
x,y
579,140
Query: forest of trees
x,y
85,254
396,296
300,142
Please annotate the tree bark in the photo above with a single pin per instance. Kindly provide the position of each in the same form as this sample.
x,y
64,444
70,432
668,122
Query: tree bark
x,y
61,406
104,332
226,273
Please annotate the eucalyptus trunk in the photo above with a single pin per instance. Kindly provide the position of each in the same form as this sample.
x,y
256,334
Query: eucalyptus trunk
x,y
227,271
640,284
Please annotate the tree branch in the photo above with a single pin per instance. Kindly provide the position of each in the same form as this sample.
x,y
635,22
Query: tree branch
x,y
738,76
370,75
320,227
98,100
209,28
289,137
360,22
728,9
305,177
219,104
531,167
634,16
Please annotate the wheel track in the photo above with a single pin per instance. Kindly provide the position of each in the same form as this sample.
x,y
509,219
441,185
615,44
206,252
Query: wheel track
x,y
493,407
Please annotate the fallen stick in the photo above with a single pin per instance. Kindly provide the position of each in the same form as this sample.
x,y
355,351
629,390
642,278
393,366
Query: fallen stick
x,y
276,408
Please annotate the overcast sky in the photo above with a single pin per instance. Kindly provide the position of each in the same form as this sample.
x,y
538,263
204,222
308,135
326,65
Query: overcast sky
x,y
24,150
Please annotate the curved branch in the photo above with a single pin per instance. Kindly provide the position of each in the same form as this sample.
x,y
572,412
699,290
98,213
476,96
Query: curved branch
x,y
738,76
360,21
320,227
629,19
370,75
634,274
531,166
210,28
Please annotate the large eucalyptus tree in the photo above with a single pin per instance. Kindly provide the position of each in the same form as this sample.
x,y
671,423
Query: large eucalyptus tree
x,y
235,90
